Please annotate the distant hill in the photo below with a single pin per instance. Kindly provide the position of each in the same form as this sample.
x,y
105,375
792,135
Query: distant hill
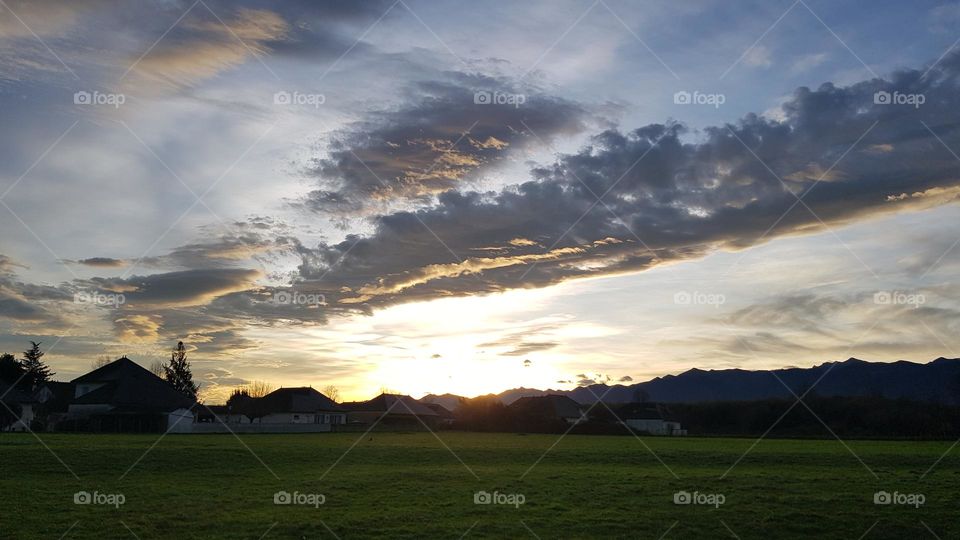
x,y
937,381
449,401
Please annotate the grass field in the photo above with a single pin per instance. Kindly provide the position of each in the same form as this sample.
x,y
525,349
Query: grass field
x,y
411,486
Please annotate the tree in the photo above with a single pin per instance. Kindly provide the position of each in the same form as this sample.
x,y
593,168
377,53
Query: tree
x,y
241,402
258,389
178,373
332,392
101,361
11,371
156,367
37,371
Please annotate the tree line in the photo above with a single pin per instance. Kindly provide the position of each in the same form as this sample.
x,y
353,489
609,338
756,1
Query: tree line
x,y
862,417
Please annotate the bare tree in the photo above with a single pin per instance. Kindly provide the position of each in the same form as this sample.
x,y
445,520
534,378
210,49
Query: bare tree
x,y
258,389
332,392
101,361
156,367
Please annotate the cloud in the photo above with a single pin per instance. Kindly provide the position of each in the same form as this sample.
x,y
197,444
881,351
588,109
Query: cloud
x,y
45,18
28,303
808,62
199,41
202,47
804,324
8,265
666,199
103,262
137,328
179,289
758,56
441,140
226,250
15,306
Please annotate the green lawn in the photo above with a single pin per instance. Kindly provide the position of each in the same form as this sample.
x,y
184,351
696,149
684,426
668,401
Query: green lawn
x,y
411,486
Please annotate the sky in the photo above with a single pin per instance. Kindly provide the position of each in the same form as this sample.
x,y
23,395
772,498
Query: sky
x,y
468,197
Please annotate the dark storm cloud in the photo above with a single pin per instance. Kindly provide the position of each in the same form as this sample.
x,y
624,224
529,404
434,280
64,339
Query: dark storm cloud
x,y
442,140
735,187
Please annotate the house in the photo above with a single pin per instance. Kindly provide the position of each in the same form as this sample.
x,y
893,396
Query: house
x,y
649,418
392,411
16,408
302,405
53,400
286,410
122,396
552,407
444,416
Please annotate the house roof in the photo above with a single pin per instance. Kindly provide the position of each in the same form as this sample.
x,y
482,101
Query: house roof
x,y
640,411
127,386
549,405
441,411
395,403
210,410
118,369
297,400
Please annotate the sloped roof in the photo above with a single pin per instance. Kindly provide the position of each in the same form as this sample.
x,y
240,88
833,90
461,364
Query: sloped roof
x,y
120,368
395,403
297,400
127,386
441,411
550,405
640,411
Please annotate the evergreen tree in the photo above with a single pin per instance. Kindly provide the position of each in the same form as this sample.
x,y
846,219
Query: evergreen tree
x,y
178,372
11,371
37,371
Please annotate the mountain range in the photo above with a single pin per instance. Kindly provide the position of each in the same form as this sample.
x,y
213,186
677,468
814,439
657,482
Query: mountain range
x,y
936,381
